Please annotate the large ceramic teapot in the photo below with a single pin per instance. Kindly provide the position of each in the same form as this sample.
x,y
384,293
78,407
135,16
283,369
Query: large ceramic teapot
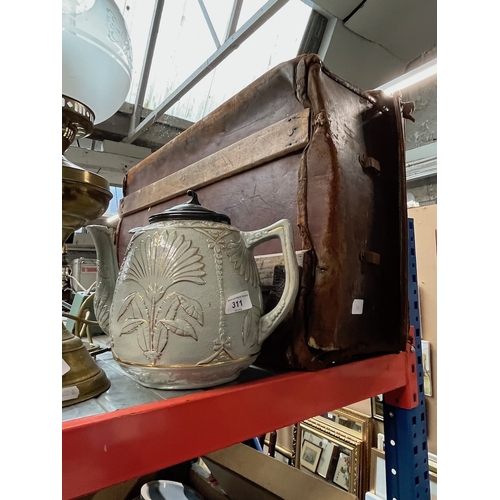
x,y
185,309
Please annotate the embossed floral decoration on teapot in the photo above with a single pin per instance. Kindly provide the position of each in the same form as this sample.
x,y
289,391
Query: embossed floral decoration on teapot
x,y
185,309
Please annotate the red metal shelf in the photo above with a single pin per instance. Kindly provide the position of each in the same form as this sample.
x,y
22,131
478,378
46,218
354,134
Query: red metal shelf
x,y
102,450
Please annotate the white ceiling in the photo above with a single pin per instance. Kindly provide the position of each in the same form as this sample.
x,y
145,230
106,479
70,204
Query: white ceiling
x,y
405,28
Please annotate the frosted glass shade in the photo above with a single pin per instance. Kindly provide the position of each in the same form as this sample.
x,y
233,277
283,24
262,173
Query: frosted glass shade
x,y
96,55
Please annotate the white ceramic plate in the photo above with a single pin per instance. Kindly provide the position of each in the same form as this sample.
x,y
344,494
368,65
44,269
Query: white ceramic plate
x,y
168,490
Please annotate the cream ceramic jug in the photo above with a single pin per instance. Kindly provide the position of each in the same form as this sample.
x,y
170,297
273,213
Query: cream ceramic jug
x,y
185,310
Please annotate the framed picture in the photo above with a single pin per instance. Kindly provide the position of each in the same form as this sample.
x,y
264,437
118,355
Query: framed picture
x,y
282,457
322,441
342,474
333,447
433,484
309,455
351,428
378,407
331,415
377,473
345,469
426,365
345,420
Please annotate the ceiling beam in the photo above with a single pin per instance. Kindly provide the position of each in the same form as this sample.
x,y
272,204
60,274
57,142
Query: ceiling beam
x,y
162,131
146,66
209,23
233,18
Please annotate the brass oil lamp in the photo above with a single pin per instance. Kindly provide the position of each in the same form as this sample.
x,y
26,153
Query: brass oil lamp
x,y
96,78
85,197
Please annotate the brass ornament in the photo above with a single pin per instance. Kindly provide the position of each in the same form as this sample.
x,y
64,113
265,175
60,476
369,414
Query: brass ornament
x,y
85,197
84,373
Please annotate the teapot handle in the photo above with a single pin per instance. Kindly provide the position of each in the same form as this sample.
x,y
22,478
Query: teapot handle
x,y
282,230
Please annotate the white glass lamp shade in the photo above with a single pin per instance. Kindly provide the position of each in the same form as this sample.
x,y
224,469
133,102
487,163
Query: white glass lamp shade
x,y
96,55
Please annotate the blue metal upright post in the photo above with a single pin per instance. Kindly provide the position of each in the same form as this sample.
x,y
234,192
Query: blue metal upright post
x,y
406,454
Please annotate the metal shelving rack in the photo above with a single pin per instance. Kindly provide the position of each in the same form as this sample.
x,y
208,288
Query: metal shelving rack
x,y
107,448
405,424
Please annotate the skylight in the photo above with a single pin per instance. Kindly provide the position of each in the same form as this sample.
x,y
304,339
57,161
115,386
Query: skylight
x,y
185,41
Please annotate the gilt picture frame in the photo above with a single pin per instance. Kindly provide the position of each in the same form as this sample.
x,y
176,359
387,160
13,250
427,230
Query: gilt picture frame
x,y
345,473
347,421
320,440
342,474
333,446
352,428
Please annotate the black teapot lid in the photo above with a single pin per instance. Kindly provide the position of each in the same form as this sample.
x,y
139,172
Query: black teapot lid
x,y
191,210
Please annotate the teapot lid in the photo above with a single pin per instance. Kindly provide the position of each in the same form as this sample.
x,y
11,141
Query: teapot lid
x,y
192,210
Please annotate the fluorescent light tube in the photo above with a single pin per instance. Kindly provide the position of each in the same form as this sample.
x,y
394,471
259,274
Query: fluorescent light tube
x,y
414,76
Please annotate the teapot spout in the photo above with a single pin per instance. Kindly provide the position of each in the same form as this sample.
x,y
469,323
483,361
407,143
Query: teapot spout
x,y
107,273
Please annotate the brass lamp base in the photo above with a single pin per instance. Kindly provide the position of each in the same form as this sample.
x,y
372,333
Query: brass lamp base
x,y
85,197
85,379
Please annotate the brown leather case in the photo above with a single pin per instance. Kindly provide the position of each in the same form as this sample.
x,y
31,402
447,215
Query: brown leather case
x,y
302,144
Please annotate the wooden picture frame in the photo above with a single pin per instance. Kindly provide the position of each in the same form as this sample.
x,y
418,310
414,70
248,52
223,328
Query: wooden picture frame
x,y
310,455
